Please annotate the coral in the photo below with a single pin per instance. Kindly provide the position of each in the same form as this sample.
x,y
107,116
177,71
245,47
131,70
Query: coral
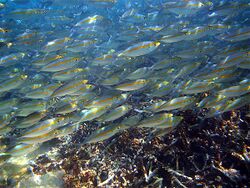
x,y
198,153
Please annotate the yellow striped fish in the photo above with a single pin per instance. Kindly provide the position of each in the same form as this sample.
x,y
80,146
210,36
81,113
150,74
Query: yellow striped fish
x,y
42,92
80,46
61,64
29,120
93,113
89,20
8,104
238,35
103,60
11,59
28,107
56,45
45,127
42,61
176,103
22,149
13,83
84,89
69,88
235,91
66,108
115,113
140,49
154,120
102,134
68,74
132,85
198,87
39,139
107,100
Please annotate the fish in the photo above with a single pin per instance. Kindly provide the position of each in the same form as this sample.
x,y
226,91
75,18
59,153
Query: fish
x,y
140,49
235,91
235,59
41,61
27,12
104,59
174,37
130,121
39,139
139,73
28,107
56,44
186,7
13,83
102,134
115,113
210,101
22,149
188,69
165,63
238,35
154,106
85,89
28,121
198,87
159,120
161,89
42,92
69,87
66,108
68,74
8,105
103,2
107,100
170,123
61,64
230,10
176,103
44,127
112,80
11,59
26,36
80,46
89,21
132,85
93,113
237,103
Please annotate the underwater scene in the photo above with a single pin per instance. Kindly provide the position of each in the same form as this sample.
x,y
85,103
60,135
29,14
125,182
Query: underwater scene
x,y
124,93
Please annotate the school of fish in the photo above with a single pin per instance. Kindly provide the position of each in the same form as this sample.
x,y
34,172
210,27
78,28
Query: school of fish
x,y
116,65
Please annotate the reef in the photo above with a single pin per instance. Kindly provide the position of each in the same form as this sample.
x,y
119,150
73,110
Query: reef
x,y
210,153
